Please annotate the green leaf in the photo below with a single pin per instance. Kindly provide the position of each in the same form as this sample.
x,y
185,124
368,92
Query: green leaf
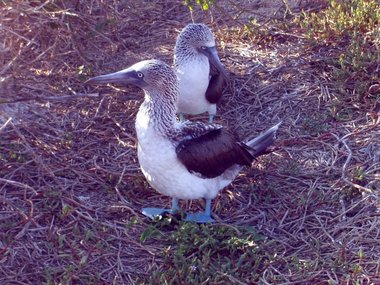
x,y
149,233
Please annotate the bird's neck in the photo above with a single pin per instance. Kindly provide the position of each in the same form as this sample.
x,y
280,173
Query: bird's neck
x,y
157,112
184,53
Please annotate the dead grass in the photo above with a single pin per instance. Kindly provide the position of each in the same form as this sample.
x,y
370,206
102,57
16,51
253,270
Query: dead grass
x,y
70,185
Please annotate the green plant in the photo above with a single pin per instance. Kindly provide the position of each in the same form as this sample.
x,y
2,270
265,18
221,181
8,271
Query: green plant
x,y
351,28
359,174
204,4
342,19
215,254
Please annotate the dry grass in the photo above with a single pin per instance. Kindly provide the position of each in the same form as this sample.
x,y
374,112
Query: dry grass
x,y
70,185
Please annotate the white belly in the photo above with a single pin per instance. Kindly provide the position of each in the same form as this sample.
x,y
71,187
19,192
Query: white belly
x,y
193,83
166,174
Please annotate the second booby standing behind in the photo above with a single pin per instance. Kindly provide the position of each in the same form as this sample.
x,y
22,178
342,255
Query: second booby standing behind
x,y
201,75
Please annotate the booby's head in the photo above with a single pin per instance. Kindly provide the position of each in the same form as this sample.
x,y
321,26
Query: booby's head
x,y
196,40
153,76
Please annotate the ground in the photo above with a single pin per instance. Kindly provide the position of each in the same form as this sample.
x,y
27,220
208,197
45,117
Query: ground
x,y
71,189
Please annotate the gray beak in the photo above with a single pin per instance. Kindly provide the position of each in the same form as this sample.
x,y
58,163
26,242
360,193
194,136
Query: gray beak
x,y
125,77
213,57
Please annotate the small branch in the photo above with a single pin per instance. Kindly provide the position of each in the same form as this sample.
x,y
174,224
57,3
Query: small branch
x,y
352,207
6,123
18,184
20,36
51,98
349,157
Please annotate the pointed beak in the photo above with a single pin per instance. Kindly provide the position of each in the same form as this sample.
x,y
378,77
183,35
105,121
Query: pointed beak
x,y
124,77
213,57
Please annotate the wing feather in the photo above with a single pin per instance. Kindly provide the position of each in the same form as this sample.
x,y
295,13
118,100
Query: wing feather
x,y
216,85
212,153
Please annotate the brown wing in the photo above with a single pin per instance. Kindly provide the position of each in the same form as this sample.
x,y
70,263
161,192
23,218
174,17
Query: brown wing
x,y
215,88
212,153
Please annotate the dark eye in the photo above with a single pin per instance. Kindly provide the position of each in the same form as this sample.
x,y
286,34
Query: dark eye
x,y
140,75
203,47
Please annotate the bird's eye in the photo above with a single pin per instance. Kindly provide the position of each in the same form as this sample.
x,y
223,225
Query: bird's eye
x,y
203,47
140,75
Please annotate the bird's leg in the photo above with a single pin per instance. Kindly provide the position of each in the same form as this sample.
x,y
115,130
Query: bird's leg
x,y
181,117
211,118
204,217
208,207
175,206
154,212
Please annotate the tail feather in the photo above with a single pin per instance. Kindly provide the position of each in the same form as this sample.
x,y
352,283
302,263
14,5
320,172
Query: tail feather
x,y
258,145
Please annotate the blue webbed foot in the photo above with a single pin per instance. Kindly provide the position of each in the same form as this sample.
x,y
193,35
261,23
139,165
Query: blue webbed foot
x,y
203,217
155,212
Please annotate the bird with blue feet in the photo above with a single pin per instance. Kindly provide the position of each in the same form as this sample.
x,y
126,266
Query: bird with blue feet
x,y
202,77
184,160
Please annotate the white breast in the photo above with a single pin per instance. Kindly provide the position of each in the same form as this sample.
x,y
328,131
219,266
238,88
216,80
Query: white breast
x,y
166,174
193,82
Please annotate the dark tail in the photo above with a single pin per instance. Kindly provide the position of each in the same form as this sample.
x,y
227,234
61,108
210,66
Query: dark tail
x,y
259,144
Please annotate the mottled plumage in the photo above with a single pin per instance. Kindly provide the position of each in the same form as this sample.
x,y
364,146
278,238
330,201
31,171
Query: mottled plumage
x,y
184,160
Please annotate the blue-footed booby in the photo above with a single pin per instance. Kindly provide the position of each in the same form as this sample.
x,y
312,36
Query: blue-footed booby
x,y
201,75
183,160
